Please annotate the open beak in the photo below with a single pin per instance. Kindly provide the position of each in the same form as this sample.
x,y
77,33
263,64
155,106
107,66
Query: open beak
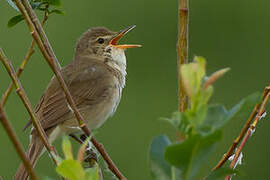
x,y
119,35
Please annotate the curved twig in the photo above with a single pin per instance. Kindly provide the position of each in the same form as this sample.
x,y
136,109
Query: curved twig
x,y
20,91
29,53
14,139
251,129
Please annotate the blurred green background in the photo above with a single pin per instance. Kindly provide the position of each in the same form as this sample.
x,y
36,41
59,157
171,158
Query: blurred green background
x,y
227,33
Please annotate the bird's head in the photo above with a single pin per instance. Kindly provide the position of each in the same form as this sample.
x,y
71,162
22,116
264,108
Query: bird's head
x,y
102,42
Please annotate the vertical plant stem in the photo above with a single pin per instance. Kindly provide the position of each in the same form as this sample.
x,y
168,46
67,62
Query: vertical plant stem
x,y
14,139
20,91
182,50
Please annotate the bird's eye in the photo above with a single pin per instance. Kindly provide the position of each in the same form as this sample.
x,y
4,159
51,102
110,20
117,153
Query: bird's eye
x,y
100,40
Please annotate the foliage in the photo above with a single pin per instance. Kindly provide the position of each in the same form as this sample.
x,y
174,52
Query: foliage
x,y
220,173
40,5
71,168
200,127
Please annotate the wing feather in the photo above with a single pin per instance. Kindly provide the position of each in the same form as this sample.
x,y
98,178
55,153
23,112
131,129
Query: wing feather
x,y
87,86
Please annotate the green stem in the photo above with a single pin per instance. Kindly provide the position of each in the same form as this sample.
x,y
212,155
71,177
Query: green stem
x,y
173,173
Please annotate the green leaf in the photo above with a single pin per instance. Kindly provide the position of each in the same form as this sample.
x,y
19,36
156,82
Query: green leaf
x,y
190,154
197,117
92,173
220,173
54,2
192,75
36,4
160,169
176,119
15,20
47,178
13,5
180,121
243,109
218,116
71,169
67,149
206,94
57,11
215,119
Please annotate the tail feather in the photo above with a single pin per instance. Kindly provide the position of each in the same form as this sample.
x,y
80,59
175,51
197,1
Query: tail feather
x,y
33,153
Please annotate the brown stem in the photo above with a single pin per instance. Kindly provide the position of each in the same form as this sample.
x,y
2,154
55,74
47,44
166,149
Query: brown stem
x,y
243,132
14,139
238,139
76,138
45,48
81,141
20,91
107,158
182,50
105,155
22,66
18,73
250,129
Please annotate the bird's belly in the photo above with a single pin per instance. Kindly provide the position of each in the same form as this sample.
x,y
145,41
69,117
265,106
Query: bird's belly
x,y
102,111
95,115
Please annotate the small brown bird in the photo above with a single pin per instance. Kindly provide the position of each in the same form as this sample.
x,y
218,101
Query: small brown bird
x,y
95,79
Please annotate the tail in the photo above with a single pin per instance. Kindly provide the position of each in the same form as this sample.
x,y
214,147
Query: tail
x,y
33,153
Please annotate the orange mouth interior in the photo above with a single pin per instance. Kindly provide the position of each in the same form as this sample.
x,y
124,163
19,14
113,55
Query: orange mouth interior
x,y
115,40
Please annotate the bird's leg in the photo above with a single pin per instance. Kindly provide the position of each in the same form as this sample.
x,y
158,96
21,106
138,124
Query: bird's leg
x,y
91,156
76,138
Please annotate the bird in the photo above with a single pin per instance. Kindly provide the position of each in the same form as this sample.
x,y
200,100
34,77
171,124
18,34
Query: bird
x,y
95,78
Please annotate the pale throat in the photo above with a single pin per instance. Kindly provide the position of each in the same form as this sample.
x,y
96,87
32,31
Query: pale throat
x,y
118,60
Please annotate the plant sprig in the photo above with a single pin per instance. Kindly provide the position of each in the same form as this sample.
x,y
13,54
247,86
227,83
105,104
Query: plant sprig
x,y
46,6
200,125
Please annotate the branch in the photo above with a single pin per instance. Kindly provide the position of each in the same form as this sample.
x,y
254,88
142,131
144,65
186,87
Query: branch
x,y
20,91
182,50
14,139
251,129
45,48
29,53
246,131
238,139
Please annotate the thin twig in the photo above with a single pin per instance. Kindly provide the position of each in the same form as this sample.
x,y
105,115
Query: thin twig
x,y
238,139
242,133
14,139
18,73
45,48
182,50
20,91
250,130
29,53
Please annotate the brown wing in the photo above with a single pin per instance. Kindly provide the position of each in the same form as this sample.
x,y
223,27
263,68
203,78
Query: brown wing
x,y
87,86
